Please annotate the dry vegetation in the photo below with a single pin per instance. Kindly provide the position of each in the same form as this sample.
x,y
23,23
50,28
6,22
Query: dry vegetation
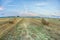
x,y
52,26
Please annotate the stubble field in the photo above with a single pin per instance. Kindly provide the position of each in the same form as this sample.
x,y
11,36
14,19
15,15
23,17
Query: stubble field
x,y
29,28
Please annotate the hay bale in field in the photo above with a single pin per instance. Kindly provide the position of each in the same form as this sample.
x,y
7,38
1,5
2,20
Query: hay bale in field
x,y
44,21
59,19
11,22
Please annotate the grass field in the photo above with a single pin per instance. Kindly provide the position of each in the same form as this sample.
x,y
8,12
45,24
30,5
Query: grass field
x,y
29,29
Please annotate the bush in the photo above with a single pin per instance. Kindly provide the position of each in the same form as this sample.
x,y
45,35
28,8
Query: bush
x,y
18,16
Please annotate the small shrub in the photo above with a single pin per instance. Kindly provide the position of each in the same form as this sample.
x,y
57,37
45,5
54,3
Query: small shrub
x,y
18,16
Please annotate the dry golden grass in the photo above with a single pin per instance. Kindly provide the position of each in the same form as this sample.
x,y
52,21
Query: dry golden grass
x,y
5,27
51,25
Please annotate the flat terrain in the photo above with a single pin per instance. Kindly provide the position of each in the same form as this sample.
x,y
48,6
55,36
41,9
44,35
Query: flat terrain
x,y
29,29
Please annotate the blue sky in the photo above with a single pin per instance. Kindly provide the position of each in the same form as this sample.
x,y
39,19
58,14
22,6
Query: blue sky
x,y
29,7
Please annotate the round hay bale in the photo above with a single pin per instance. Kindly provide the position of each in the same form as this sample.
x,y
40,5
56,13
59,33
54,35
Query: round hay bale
x,y
44,21
59,19
11,22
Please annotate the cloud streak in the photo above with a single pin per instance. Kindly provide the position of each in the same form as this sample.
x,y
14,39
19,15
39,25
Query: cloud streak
x,y
41,4
1,8
6,2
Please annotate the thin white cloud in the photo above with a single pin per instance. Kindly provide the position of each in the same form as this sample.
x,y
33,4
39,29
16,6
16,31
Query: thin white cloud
x,y
50,13
57,13
1,8
6,2
11,5
41,4
26,13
